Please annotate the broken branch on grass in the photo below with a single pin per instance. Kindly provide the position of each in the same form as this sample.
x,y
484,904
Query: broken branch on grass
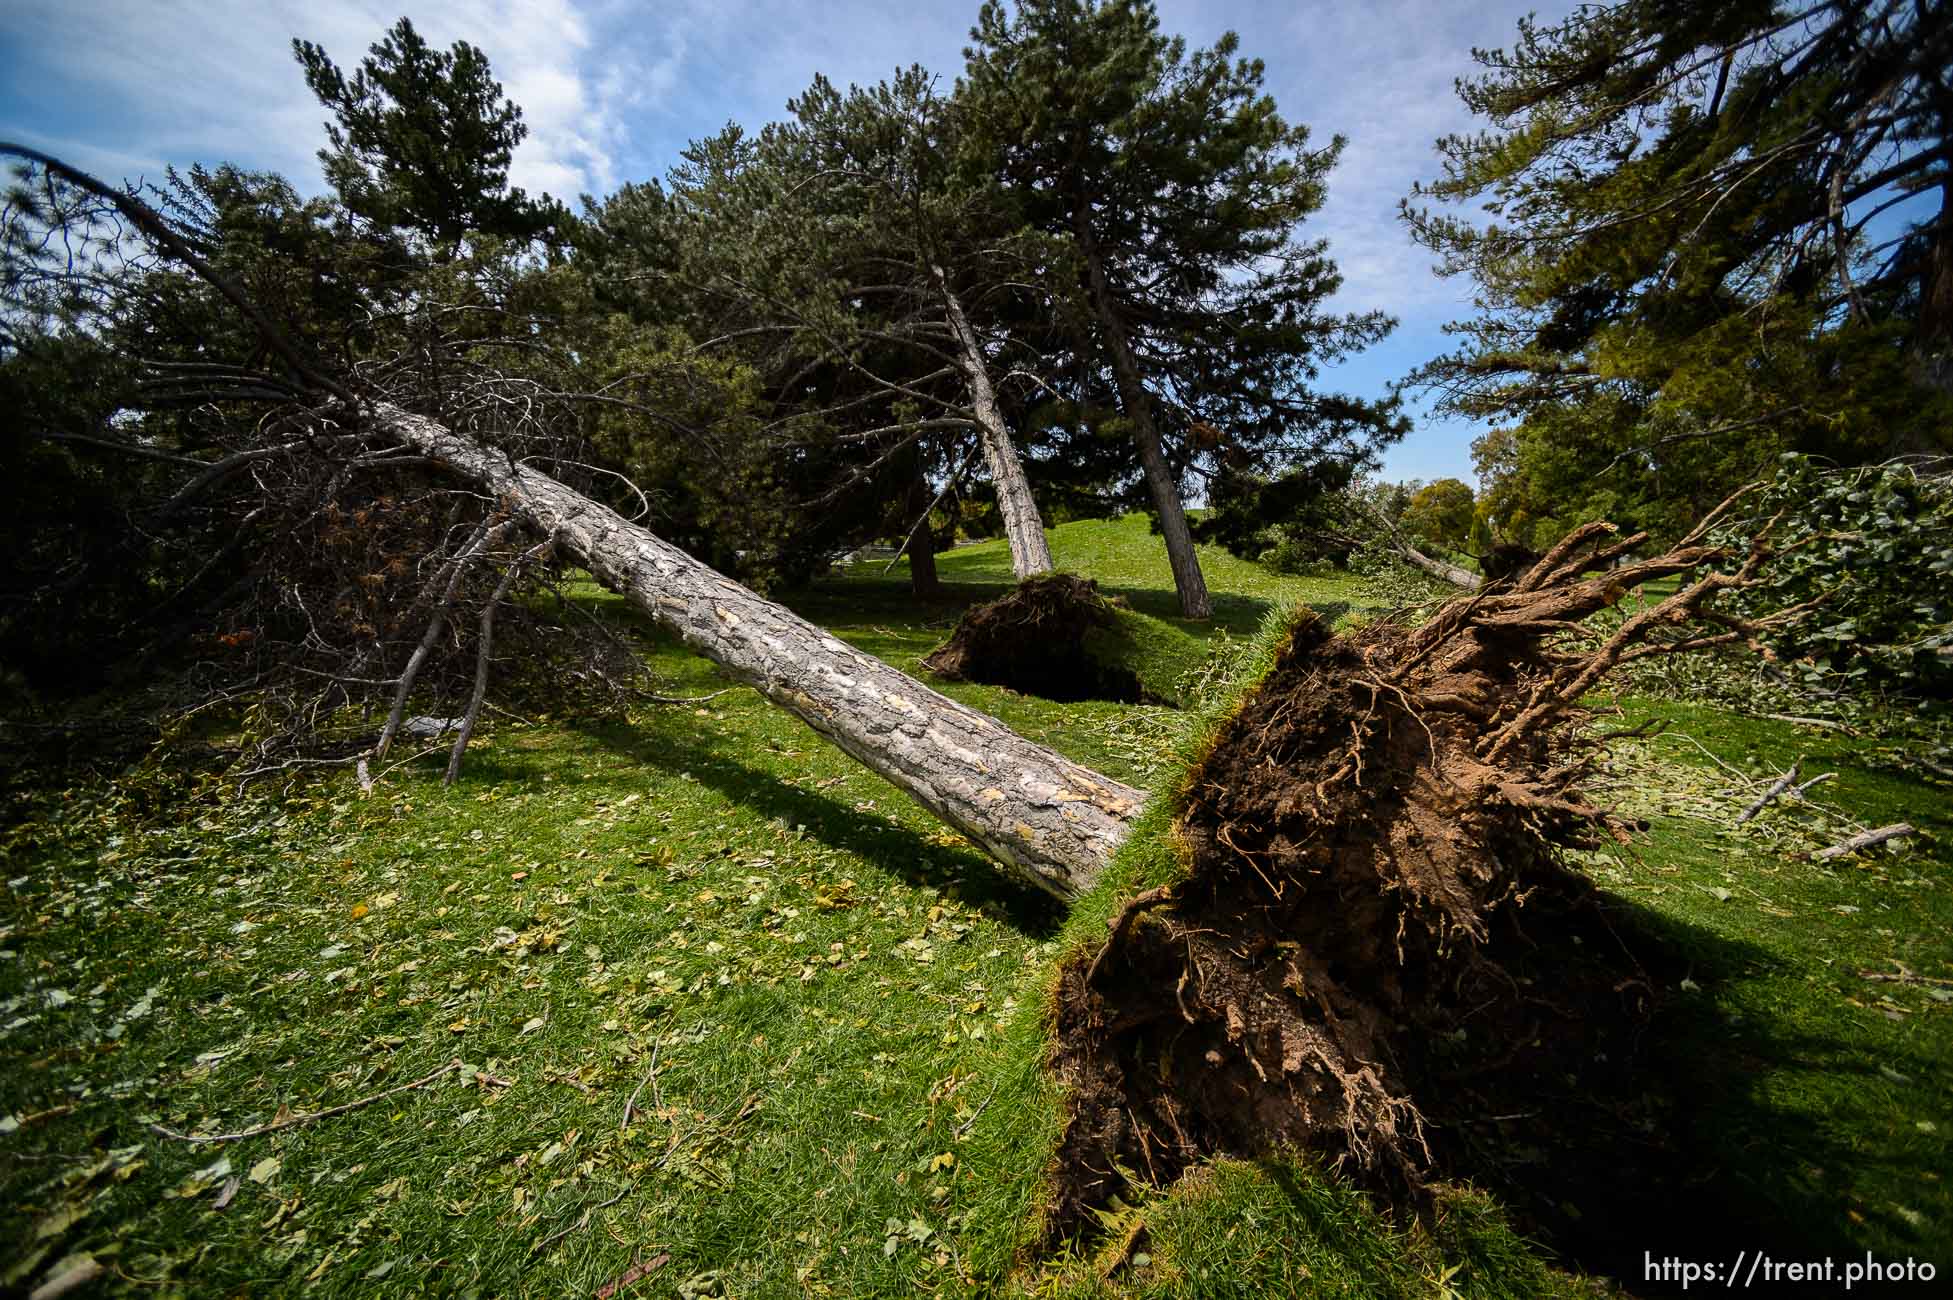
x,y
969,1123
583,1222
688,699
1903,976
650,1077
1777,787
1869,839
1797,791
293,1121
1823,724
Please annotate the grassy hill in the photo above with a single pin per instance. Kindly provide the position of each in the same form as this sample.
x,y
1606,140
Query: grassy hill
x,y
728,1015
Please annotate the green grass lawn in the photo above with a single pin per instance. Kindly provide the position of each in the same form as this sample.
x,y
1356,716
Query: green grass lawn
x,y
824,1011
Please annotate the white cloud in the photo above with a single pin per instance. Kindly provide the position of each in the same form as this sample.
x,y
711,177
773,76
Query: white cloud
x,y
1380,73
217,82
612,89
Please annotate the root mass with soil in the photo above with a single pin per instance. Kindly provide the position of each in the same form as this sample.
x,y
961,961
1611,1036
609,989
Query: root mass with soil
x,y
1378,952
1051,637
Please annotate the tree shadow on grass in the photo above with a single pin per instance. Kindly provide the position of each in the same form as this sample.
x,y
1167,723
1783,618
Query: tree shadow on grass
x,y
959,872
1236,614
858,601
1694,1151
1697,1149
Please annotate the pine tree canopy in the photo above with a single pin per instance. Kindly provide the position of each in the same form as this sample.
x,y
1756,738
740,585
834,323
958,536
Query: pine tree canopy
x,y
1176,172
1716,232
422,140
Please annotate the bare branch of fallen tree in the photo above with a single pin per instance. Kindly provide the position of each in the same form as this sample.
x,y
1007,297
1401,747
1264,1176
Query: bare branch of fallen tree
x,y
164,236
486,535
484,653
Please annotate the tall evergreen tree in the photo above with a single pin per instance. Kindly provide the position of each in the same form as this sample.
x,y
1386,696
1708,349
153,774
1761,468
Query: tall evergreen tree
x,y
836,256
1720,232
422,140
928,251
1173,188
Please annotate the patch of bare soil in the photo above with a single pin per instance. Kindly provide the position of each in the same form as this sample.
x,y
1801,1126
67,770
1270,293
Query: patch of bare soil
x,y
1379,954
1039,640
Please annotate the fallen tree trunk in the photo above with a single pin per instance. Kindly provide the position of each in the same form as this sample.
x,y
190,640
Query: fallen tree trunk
x,y
1052,822
1442,570
1049,820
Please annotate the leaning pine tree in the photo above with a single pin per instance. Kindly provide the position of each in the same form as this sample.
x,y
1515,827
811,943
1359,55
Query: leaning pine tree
x,y
1174,191
1361,924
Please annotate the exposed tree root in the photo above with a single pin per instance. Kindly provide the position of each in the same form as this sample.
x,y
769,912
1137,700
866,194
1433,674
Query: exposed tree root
x,y
1378,952
1050,637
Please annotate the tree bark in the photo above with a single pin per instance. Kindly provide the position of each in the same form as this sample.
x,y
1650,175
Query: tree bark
x,y
1051,822
1030,554
923,581
1187,578
1442,570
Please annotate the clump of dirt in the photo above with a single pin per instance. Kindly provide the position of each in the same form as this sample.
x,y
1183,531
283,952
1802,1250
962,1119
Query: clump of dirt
x,y
1050,637
1379,953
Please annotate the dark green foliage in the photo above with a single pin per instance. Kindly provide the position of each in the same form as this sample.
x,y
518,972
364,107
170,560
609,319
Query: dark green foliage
x,y
73,572
106,564
1175,173
1696,260
422,140
1297,520
1874,547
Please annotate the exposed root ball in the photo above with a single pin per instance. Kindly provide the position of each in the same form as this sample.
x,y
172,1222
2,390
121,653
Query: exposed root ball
x,y
1378,954
1054,636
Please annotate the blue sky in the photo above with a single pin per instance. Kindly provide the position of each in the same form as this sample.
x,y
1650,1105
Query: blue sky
x,y
612,90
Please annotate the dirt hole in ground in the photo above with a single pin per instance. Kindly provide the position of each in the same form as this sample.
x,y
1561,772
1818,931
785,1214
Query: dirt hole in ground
x,y
1055,636
1380,952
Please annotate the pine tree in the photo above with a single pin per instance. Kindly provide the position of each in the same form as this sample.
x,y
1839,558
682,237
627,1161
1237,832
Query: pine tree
x,y
1174,189
1720,232
422,140
835,255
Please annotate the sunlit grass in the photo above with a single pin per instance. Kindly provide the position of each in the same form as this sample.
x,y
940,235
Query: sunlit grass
x,y
843,1001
